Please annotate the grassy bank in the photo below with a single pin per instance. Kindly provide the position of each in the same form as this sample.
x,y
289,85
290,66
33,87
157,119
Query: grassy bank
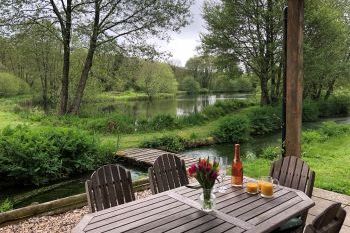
x,y
130,95
328,157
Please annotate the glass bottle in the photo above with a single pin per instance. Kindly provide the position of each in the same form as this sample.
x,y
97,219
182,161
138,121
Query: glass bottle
x,y
237,168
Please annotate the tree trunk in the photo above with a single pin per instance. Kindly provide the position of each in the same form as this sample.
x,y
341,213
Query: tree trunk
x,y
75,107
329,89
264,99
65,79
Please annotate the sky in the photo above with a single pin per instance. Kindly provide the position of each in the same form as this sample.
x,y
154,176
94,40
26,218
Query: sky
x,y
183,45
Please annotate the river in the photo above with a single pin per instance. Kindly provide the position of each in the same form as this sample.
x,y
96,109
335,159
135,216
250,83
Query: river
x,y
176,106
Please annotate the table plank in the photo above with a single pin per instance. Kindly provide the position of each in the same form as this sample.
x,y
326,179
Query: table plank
x,y
182,212
132,216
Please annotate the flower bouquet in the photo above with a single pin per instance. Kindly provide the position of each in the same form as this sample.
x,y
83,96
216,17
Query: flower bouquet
x,y
206,173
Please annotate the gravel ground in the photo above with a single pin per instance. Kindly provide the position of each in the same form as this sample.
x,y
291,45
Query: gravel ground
x,y
56,223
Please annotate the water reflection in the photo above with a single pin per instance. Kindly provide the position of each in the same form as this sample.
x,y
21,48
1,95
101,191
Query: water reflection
x,y
251,148
179,106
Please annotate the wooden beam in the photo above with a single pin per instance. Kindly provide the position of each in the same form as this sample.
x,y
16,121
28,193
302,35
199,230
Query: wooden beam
x,y
295,73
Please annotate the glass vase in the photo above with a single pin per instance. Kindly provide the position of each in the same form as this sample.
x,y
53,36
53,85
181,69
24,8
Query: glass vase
x,y
207,200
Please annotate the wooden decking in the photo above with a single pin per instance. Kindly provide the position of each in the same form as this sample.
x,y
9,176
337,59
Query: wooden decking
x,y
323,199
148,156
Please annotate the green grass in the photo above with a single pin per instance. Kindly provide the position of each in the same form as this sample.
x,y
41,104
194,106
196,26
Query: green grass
x,y
134,140
330,160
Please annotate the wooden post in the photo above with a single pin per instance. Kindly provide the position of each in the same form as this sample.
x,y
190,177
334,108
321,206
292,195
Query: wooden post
x,y
295,73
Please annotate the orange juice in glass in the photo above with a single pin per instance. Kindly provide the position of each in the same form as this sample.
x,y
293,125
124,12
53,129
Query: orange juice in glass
x,y
267,185
252,187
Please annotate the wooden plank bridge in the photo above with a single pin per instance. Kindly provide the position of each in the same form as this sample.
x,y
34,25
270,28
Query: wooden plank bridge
x,y
148,156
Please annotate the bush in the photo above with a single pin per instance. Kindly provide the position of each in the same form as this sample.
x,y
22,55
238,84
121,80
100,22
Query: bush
x,y
6,205
242,85
270,153
222,108
335,106
233,129
331,129
171,143
37,156
190,85
11,85
310,111
265,120
192,119
163,121
313,136
114,124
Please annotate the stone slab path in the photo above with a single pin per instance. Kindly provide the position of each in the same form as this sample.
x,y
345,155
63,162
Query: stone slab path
x,y
323,199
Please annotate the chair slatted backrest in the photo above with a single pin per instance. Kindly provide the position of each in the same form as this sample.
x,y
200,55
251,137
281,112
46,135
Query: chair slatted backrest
x,y
329,221
168,172
293,172
109,186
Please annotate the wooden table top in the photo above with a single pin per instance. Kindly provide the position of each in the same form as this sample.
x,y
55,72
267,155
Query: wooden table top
x,y
178,210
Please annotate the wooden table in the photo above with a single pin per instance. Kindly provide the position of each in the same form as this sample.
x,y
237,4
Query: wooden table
x,y
178,210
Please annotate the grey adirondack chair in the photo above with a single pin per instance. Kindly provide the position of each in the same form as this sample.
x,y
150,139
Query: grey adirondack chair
x,y
329,221
293,172
168,172
109,186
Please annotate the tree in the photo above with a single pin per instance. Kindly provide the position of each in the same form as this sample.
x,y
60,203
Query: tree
x,y
327,47
249,31
97,22
33,55
154,78
202,69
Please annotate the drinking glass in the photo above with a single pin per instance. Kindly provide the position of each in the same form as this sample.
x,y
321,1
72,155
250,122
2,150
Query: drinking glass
x,y
222,174
267,186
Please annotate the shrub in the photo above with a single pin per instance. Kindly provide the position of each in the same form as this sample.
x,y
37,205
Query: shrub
x,y
163,121
310,111
37,156
335,106
313,136
242,85
233,129
114,124
12,85
331,129
6,205
190,85
171,143
264,120
222,108
192,119
270,153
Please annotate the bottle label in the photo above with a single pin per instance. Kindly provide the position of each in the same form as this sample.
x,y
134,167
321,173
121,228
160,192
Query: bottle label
x,y
237,176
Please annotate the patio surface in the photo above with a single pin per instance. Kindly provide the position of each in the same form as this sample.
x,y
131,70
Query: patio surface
x,y
323,199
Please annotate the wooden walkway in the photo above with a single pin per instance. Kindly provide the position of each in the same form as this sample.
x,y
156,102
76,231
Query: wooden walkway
x,y
148,156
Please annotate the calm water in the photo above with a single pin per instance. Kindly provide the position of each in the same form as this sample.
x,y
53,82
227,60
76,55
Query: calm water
x,y
179,105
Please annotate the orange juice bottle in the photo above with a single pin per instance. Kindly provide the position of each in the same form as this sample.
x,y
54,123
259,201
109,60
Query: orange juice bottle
x,y
237,168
